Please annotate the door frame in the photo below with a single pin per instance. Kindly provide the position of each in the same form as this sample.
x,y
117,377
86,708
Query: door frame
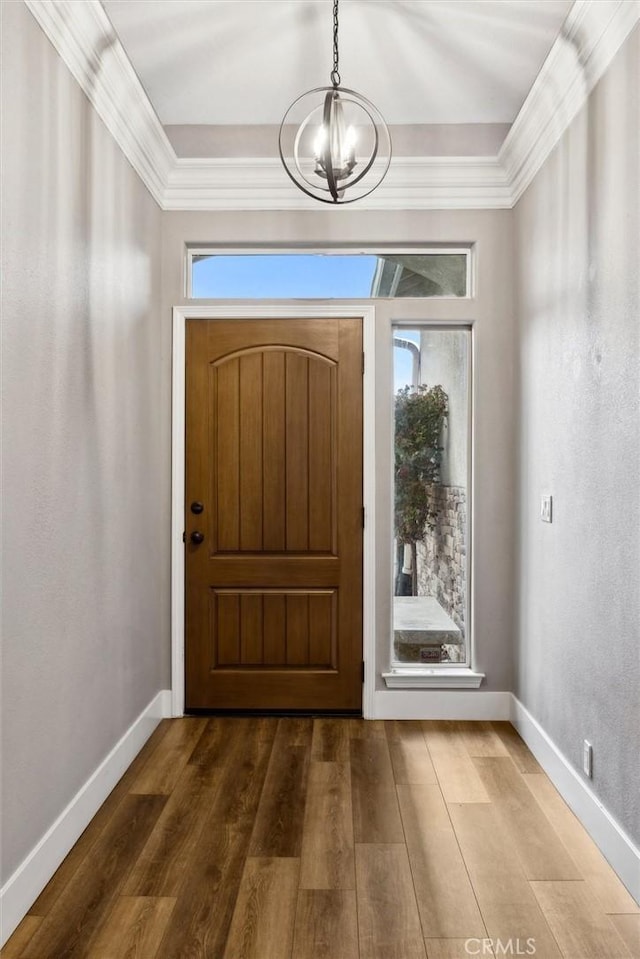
x,y
308,310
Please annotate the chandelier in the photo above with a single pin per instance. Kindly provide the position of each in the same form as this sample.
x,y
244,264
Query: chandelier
x,y
333,142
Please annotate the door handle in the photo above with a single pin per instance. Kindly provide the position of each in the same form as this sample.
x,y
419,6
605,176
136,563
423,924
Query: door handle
x,y
197,537
197,507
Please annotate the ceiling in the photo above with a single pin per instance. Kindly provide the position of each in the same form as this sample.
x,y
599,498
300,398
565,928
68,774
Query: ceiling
x,y
420,61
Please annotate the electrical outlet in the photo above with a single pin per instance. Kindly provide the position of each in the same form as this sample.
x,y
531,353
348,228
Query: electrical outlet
x,y
587,758
546,509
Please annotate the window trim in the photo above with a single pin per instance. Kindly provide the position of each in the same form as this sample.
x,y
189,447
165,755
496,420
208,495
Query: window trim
x,y
211,249
441,675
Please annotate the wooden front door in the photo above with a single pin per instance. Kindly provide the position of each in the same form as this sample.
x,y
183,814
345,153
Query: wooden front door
x,y
274,514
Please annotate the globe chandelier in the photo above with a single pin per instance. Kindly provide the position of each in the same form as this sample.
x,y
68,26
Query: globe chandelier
x,y
334,143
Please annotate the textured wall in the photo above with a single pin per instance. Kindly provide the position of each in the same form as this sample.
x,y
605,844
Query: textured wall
x,y
86,536
578,231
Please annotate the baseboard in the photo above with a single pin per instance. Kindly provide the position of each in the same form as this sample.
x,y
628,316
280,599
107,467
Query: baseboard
x,y
32,875
440,704
618,848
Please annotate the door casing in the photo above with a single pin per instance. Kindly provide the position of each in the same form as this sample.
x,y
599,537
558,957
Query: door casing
x,y
256,311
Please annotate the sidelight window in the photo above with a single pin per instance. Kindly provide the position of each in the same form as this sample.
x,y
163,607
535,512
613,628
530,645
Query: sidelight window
x,y
431,495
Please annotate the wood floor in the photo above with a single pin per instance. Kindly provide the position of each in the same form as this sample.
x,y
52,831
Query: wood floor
x,y
236,838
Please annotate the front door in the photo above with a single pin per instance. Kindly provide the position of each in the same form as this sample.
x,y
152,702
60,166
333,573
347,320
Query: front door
x,y
274,514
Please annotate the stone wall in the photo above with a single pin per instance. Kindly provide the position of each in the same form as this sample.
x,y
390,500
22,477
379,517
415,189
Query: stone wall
x,y
441,557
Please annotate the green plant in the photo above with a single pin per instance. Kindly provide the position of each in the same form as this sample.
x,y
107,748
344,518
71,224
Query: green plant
x,y
420,415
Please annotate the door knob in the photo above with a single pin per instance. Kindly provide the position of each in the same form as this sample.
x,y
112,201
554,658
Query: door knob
x,y
197,507
197,537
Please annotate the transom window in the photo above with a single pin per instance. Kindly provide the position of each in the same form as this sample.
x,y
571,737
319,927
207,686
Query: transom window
x,y
283,275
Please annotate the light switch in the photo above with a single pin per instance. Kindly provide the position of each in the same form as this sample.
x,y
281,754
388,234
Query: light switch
x,y
546,514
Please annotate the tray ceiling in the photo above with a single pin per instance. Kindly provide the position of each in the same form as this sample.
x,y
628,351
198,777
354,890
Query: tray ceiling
x,y
420,61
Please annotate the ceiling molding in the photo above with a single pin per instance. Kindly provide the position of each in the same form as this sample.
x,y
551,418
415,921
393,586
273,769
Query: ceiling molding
x,y
413,183
86,41
591,35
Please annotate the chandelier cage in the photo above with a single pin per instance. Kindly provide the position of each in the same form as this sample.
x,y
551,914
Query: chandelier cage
x,y
334,143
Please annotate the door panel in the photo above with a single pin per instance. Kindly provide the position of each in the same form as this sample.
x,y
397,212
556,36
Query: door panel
x,y
274,452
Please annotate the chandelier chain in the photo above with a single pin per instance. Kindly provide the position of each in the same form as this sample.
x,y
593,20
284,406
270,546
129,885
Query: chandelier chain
x,y
335,73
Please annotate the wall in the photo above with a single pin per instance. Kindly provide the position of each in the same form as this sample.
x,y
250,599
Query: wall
x,y
493,312
85,538
578,231
426,139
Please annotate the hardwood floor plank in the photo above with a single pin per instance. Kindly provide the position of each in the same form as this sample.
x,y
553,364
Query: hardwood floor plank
x,y
330,743
367,729
200,921
594,868
239,789
133,929
376,817
163,768
160,868
219,737
278,827
457,775
327,859
326,925
94,830
481,739
628,928
294,731
524,925
264,728
446,901
457,949
388,920
409,754
509,908
533,837
494,869
581,928
263,920
65,932
14,947
517,748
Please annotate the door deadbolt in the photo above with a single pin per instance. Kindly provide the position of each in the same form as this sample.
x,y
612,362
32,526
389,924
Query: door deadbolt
x,y
197,507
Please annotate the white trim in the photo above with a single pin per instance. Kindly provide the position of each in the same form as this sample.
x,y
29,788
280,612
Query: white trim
x,y
440,677
178,355
235,311
440,704
616,846
591,35
416,183
87,42
85,39
32,875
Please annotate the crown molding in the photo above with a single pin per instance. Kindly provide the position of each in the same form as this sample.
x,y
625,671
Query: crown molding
x,y
86,41
412,183
590,37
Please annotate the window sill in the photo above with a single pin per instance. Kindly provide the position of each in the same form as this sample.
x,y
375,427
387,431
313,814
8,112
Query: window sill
x,y
461,678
